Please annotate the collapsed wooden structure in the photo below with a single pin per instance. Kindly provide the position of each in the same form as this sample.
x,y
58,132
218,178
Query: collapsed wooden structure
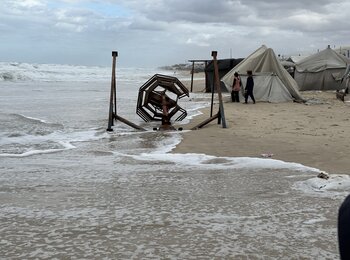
x,y
157,100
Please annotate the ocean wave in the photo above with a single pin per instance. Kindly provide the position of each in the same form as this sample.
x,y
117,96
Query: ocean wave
x,y
26,125
13,76
20,116
31,151
23,145
13,72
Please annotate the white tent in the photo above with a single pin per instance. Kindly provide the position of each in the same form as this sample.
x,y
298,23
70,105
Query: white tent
x,y
296,58
343,50
272,83
321,71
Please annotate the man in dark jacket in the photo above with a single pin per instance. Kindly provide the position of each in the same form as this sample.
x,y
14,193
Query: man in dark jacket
x,y
344,229
249,87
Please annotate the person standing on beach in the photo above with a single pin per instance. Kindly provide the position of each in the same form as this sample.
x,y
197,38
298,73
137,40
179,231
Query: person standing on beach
x,y
344,229
249,87
236,87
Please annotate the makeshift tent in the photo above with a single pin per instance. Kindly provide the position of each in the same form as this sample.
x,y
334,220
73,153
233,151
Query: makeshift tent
x,y
272,83
343,50
224,66
297,58
321,71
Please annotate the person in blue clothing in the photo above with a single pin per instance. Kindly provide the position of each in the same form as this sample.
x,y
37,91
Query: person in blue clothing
x,y
249,87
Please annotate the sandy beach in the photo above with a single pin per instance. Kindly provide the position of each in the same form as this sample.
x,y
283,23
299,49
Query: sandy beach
x,y
313,134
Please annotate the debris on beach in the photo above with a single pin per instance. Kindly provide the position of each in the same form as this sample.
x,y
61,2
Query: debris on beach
x,y
266,155
328,184
315,101
323,175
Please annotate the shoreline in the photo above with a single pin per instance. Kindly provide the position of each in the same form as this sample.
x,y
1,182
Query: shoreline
x,y
312,134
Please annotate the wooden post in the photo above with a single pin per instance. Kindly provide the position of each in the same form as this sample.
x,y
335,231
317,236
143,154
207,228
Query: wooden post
x,y
115,55
218,88
192,72
207,78
212,88
112,98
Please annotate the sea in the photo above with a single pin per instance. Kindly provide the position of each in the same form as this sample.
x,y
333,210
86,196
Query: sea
x,y
71,190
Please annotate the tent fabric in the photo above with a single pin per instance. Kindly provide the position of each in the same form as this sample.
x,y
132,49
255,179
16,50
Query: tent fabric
x,y
286,63
272,83
321,71
273,91
296,59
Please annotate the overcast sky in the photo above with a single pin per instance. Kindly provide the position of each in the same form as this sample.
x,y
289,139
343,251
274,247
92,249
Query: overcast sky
x,y
151,33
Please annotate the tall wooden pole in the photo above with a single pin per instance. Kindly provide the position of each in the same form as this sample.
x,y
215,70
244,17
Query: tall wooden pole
x,y
212,88
192,72
112,98
115,55
218,89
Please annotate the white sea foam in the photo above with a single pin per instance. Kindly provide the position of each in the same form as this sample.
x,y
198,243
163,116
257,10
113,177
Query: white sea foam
x,y
60,141
173,138
207,161
33,118
66,146
336,186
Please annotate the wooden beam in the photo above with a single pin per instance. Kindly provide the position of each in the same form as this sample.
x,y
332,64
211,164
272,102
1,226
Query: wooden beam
x,y
218,88
205,122
127,122
192,72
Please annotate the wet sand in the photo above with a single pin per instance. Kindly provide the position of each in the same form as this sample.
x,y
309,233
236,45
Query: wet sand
x,y
313,134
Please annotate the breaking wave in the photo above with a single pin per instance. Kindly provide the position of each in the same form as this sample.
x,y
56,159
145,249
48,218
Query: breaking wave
x,y
36,136
51,72
16,72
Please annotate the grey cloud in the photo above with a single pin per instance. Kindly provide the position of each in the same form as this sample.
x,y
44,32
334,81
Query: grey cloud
x,y
221,10
175,29
245,12
142,23
191,10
